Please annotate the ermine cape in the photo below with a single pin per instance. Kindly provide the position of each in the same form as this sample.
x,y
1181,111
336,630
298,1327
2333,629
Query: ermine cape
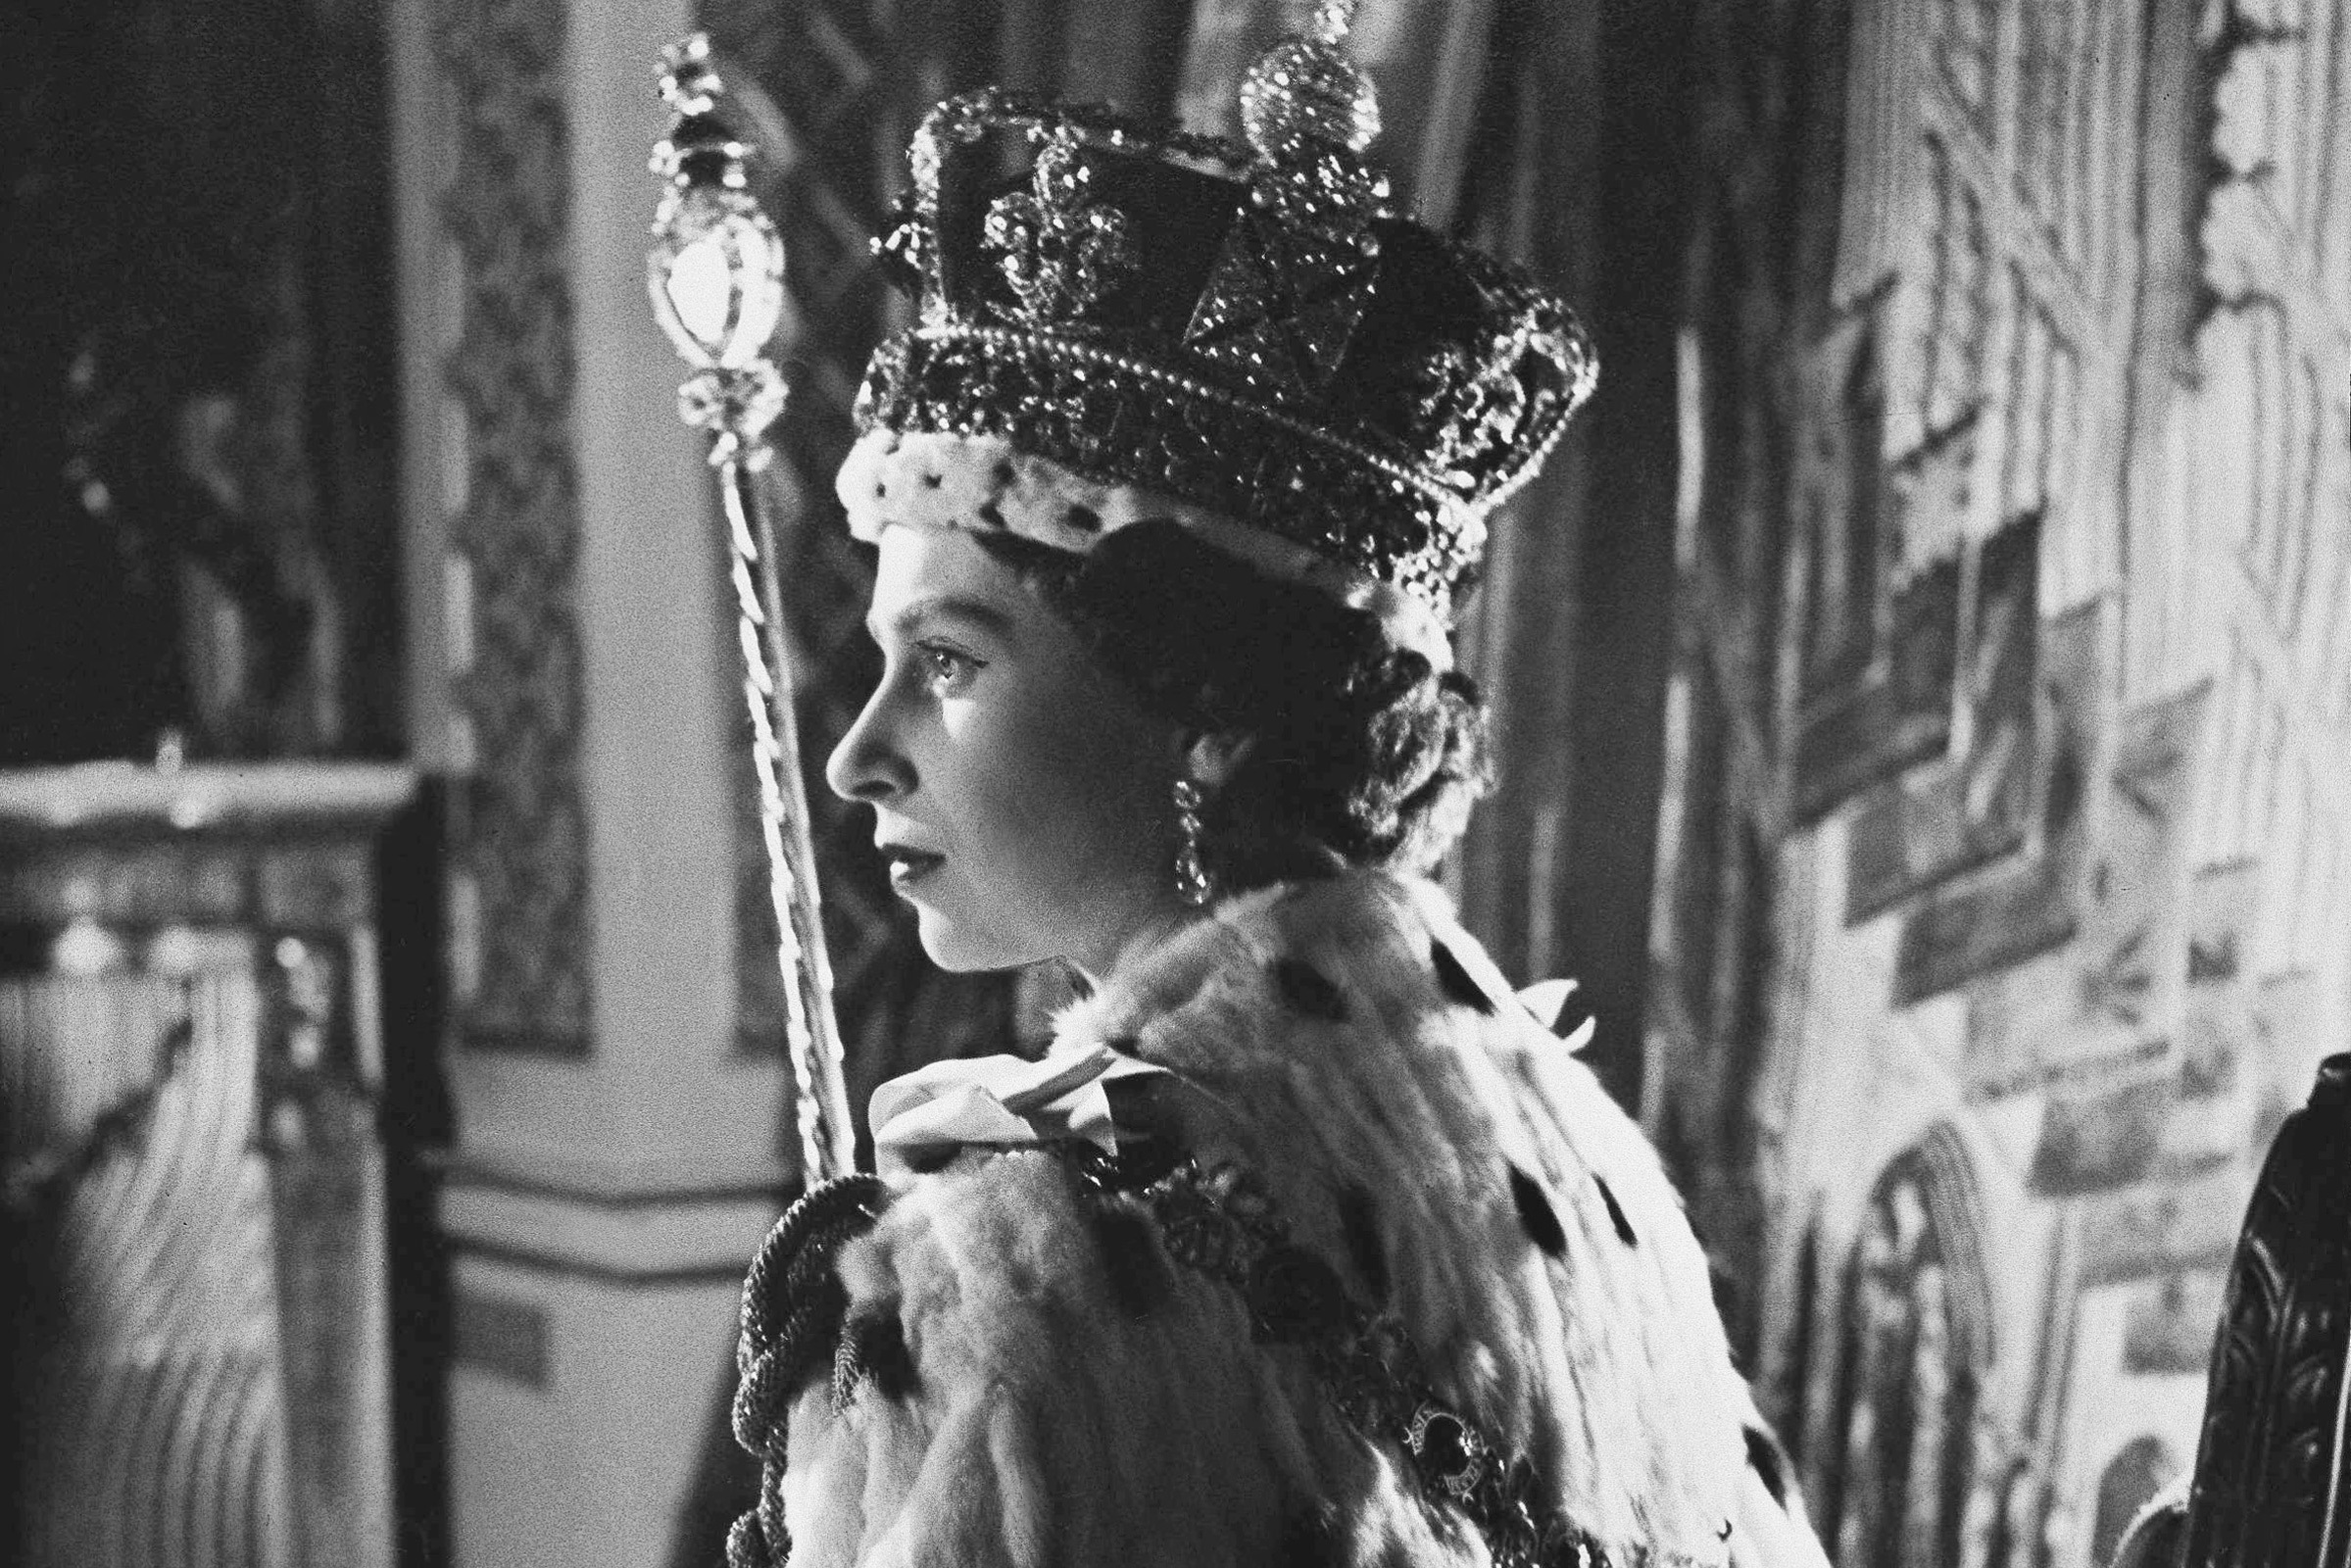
x,y
1371,1272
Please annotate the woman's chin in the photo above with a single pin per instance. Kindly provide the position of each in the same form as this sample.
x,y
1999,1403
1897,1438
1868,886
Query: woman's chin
x,y
956,947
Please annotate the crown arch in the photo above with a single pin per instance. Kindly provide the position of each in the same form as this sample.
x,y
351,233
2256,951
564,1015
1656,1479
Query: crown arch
x,y
1893,1454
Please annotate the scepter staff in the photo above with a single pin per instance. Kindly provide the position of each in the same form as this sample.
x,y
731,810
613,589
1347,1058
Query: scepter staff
x,y
715,272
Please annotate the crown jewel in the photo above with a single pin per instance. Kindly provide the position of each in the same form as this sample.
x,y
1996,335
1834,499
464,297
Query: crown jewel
x,y
1061,251
1243,329
1305,89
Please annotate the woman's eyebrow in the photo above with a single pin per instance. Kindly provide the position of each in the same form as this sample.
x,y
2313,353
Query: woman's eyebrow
x,y
947,606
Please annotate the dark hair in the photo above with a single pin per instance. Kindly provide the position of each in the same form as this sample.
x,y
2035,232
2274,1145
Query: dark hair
x,y
1363,755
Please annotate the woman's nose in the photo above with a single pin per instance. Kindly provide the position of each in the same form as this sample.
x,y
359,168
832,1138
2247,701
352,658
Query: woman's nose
x,y
868,764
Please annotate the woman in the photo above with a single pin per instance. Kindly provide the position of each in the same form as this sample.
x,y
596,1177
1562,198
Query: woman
x,y
1306,1242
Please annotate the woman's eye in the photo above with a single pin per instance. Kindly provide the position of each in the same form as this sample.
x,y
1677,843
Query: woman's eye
x,y
946,667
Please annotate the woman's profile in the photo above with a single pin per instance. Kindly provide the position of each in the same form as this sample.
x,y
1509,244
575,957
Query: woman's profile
x,y
1307,1242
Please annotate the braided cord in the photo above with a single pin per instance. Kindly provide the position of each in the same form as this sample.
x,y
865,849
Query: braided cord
x,y
791,1308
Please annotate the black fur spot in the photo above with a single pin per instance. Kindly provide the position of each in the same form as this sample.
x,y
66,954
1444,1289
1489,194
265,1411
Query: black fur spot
x,y
1764,1458
1308,990
933,481
881,490
1454,981
1002,473
1616,1214
1084,517
1359,1223
991,514
1130,1260
1293,1297
873,1354
924,1159
1535,1215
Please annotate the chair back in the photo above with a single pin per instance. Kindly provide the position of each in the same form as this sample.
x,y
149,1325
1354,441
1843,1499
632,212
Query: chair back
x,y
2272,1477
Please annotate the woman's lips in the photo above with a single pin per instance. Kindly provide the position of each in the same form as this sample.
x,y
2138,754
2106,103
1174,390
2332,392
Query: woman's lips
x,y
909,866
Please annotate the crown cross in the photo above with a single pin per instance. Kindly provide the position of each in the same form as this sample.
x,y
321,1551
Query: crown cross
x,y
1061,251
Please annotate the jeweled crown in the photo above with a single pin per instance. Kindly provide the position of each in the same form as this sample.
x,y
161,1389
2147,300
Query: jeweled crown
x,y
1247,329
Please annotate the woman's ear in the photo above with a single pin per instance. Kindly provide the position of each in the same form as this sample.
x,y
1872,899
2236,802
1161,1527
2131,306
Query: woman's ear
x,y
1212,756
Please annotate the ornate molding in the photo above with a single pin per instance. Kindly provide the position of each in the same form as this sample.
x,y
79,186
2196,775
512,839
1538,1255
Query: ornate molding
x,y
520,826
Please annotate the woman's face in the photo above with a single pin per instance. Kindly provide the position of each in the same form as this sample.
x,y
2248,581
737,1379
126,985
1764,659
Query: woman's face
x,y
1021,795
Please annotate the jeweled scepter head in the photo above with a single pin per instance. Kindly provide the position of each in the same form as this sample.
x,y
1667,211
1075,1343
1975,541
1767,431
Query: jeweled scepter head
x,y
715,270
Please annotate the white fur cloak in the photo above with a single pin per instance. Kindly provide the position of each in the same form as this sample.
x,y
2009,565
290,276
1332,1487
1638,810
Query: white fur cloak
x,y
1027,1375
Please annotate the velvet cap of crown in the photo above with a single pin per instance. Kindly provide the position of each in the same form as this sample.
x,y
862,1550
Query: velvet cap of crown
x,y
1244,329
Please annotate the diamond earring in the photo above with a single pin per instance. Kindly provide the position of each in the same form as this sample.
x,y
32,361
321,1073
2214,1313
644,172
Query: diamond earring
x,y
1190,874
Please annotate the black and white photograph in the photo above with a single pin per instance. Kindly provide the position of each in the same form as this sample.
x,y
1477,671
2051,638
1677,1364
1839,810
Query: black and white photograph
x,y
1176,783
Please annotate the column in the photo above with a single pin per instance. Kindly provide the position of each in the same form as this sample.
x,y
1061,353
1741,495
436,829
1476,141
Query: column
x,y
617,1154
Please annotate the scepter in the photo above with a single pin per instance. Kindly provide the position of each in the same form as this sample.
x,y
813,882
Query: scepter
x,y
715,272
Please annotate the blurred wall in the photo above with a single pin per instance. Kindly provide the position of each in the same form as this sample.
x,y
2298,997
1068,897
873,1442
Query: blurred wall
x,y
2004,891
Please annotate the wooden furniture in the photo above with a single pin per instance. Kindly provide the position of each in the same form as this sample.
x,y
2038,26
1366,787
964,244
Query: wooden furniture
x,y
190,1056
2272,1487
2273,1481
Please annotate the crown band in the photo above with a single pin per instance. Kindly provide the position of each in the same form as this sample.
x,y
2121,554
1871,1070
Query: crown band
x,y
1111,420
1091,354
